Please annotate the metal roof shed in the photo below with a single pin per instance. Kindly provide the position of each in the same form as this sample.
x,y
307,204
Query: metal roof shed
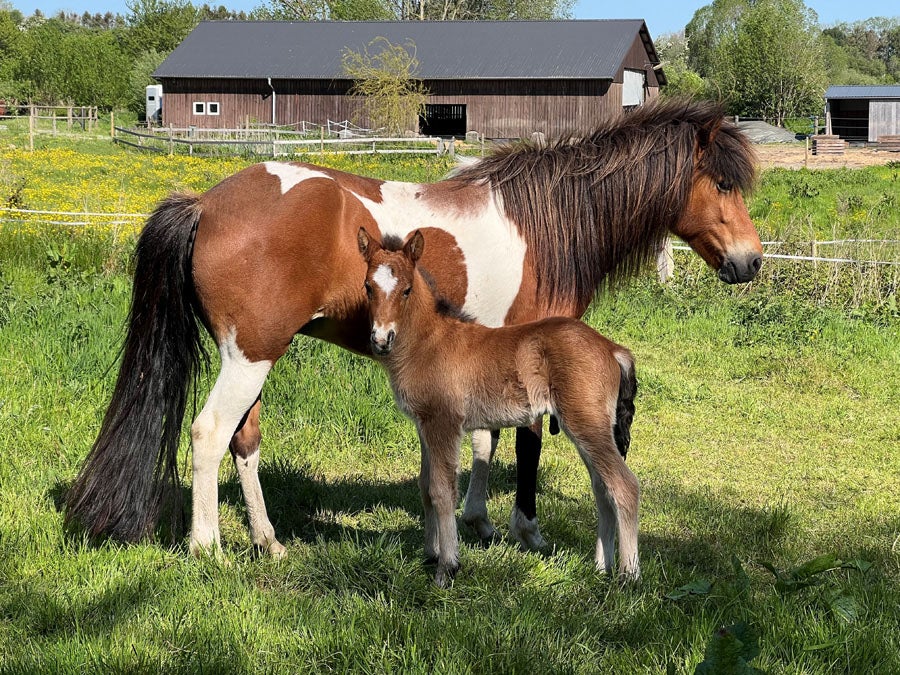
x,y
863,112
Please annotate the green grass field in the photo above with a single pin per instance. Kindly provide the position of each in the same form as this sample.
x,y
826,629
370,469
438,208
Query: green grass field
x,y
766,435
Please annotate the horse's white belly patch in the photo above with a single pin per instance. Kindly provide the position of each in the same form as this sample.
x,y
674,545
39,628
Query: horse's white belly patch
x,y
290,174
492,249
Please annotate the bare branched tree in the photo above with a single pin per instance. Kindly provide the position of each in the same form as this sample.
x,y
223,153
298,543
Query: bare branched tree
x,y
385,79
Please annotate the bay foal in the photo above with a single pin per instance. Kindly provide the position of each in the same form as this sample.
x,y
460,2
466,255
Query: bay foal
x,y
451,376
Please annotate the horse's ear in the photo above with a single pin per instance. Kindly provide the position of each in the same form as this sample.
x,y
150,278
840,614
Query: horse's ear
x,y
415,246
706,135
365,243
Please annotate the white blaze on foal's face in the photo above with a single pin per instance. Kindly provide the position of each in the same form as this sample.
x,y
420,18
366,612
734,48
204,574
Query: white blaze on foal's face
x,y
385,280
384,304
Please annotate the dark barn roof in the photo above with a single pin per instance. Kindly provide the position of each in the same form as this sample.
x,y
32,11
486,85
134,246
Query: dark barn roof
x,y
862,91
447,50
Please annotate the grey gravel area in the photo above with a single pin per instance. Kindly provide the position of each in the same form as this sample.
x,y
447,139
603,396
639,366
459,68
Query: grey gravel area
x,y
761,132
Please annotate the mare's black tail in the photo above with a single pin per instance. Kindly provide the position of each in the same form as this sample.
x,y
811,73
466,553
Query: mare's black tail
x,y
131,473
625,402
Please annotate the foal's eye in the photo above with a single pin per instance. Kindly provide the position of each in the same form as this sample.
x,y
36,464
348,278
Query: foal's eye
x,y
407,292
724,186
368,289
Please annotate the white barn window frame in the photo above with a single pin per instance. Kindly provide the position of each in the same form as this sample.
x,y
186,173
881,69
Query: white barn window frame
x,y
199,107
213,108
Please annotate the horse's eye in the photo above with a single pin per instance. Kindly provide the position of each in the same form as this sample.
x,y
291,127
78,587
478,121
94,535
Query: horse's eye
x,y
724,186
368,289
407,292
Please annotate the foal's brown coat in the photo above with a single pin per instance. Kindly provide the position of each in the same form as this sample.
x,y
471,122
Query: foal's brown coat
x,y
451,376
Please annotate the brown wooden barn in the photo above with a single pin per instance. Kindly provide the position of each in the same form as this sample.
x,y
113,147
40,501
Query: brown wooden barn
x,y
503,79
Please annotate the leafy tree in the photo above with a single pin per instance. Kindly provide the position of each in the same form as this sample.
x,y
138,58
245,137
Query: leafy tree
x,y
440,10
59,62
682,80
159,24
764,57
385,80
140,76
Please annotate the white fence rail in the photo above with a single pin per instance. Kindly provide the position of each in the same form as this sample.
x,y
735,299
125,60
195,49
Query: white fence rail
x,y
86,218
274,142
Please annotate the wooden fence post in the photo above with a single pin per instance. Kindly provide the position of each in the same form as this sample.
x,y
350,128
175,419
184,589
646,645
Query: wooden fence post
x,y
321,140
171,141
69,118
112,124
665,262
31,128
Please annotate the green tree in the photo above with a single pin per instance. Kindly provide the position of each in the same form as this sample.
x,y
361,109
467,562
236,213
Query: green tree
x,y
59,62
682,80
764,57
385,80
434,10
140,76
159,24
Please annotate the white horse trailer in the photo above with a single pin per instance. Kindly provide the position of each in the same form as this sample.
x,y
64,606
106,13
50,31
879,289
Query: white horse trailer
x,y
153,103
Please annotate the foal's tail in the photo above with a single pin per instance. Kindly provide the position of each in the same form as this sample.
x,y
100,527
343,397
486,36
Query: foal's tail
x,y
625,402
131,473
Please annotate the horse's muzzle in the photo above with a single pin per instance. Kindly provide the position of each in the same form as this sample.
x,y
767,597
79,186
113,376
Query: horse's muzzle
x,y
382,345
740,268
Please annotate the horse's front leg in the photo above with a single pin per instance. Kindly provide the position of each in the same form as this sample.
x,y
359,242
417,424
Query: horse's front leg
x,y
475,515
441,446
245,453
523,524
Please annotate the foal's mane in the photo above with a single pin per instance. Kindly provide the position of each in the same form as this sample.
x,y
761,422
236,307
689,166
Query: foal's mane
x,y
595,208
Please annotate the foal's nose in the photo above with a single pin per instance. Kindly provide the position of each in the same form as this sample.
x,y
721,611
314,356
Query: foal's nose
x,y
382,342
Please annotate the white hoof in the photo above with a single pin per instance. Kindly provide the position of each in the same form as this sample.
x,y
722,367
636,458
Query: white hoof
x,y
525,531
276,550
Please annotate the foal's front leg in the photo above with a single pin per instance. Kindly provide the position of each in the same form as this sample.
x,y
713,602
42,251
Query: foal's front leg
x,y
440,460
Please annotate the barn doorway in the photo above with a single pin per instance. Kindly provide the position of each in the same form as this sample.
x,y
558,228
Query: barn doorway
x,y
442,119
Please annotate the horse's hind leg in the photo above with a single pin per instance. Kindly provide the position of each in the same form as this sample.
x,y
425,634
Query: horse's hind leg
x,y
234,393
245,452
475,515
523,523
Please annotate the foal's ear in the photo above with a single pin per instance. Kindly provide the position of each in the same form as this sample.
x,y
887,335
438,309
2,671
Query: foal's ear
x,y
365,243
414,246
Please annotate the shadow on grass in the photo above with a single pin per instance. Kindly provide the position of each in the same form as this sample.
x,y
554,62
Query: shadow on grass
x,y
307,507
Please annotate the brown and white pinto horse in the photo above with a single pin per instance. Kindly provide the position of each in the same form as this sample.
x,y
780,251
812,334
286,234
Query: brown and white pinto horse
x,y
526,233
451,376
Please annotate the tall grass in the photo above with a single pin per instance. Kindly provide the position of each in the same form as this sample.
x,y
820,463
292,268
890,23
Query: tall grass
x,y
766,434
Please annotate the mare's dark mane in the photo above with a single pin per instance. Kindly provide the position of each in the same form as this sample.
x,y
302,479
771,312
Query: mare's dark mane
x,y
596,208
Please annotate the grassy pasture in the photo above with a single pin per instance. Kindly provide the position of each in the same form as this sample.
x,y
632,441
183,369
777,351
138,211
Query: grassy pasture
x,y
766,433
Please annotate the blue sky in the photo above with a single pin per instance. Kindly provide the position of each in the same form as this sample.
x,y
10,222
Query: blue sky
x,y
666,17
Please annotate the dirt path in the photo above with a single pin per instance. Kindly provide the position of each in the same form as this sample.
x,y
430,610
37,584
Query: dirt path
x,y
793,156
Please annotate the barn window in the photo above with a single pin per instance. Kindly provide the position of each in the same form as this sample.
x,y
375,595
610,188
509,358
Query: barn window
x,y
199,108
212,107
633,85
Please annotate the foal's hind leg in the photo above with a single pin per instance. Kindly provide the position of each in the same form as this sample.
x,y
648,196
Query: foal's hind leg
x,y
235,391
616,493
245,452
475,515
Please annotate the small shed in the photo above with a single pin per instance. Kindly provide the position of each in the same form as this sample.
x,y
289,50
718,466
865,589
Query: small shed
x,y
862,112
504,79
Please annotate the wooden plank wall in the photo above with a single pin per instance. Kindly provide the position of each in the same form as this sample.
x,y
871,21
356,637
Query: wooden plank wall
x,y
496,108
884,119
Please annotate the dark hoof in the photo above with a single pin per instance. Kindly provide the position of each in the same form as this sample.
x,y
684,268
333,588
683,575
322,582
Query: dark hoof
x,y
445,575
